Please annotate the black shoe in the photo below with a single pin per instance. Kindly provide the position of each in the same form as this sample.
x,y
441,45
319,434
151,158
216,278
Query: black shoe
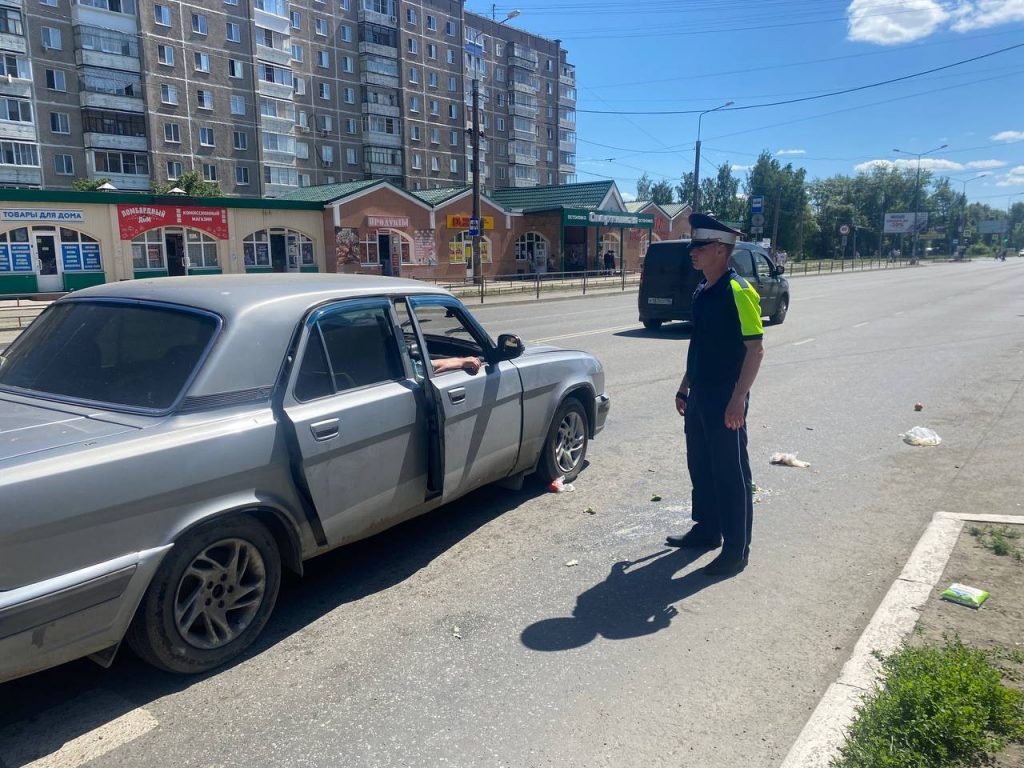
x,y
726,564
693,539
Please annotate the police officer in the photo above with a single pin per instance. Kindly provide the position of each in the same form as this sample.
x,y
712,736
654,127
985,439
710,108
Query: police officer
x,y
721,364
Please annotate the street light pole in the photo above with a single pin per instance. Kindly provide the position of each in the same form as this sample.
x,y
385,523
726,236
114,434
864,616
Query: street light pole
x,y
476,262
696,159
917,193
963,208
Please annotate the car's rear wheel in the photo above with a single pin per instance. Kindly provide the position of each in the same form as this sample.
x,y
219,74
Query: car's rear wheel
x,y
565,448
780,311
652,325
210,598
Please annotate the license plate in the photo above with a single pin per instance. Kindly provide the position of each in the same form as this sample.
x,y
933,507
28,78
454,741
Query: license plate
x,y
653,300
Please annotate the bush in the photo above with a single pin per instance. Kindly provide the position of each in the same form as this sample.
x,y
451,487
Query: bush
x,y
979,249
939,706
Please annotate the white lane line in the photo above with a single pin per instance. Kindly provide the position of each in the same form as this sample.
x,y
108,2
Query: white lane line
x,y
74,733
805,341
861,325
634,327
899,313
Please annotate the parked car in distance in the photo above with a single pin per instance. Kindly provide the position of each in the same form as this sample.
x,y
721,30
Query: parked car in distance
x,y
668,281
168,446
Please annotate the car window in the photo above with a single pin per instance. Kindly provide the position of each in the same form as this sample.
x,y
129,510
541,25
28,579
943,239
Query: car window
x,y
741,263
446,332
132,355
667,260
764,268
349,348
409,336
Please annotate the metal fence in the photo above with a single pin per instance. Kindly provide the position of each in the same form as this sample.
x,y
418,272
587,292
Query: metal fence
x,y
538,284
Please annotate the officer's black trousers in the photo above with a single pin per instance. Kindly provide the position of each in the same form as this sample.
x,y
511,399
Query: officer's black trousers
x,y
723,504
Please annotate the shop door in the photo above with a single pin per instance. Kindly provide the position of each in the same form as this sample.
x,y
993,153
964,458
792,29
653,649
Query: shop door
x,y
384,251
540,256
278,253
49,276
176,266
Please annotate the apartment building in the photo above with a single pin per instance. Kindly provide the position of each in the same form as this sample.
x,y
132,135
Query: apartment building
x,y
269,96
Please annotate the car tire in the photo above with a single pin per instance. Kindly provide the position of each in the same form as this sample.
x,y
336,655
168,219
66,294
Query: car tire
x,y
210,598
652,325
780,311
565,447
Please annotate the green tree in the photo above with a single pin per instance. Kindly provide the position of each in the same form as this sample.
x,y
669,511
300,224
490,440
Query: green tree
x,y
88,185
192,183
661,192
643,187
684,189
718,194
785,193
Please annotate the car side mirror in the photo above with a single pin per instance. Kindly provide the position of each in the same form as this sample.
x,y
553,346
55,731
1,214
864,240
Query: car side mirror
x,y
510,346
780,269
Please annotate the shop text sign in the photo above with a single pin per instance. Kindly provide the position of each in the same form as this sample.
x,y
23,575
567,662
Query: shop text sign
x,y
581,218
40,214
16,257
461,221
133,220
387,222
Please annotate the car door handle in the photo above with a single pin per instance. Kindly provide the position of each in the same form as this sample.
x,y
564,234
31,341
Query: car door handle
x,y
325,430
457,395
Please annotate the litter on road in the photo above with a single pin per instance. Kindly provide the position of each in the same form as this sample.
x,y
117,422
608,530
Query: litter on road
x,y
560,486
918,406
788,460
972,597
572,563
655,497
589,511
921,436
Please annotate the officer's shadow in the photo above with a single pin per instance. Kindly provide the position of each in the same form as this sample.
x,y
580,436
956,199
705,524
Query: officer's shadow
x,y
631,602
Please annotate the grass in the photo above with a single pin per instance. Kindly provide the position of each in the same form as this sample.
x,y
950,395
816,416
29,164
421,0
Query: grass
x,y
999,541
940,706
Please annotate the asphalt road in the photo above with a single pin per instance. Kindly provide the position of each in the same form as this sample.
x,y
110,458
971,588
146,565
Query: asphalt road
x,y
464,639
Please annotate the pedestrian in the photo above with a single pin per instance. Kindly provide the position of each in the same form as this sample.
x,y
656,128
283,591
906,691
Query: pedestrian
x,y
609,262
724,356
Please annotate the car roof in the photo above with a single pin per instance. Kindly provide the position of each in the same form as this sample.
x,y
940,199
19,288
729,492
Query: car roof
x,y
259,312
686,241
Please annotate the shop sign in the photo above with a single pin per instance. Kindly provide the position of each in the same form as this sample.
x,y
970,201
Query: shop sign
x,y
580,218
424,251
40,214
136,219
16,257
387,222
91,256
78,258
462,253
461,221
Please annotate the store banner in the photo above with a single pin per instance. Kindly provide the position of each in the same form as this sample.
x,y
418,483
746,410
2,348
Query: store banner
x,y
42,214
133,220
576,217
387,222
461,221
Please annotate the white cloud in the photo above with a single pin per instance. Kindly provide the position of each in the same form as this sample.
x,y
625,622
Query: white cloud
x,y
781,152
927,164
887,23
981,14
1015,178
740,168
628,197
984,165
1008,136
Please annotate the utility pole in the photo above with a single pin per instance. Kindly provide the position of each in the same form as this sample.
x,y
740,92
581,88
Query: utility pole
x,y
917,193
477,273
696,158
775,219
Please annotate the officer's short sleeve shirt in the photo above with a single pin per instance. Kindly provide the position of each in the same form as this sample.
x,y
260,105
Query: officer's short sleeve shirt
x,y
725,316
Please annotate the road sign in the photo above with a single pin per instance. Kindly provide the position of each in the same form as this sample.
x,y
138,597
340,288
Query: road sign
x,y
474,227
756,230
844,230
757,220
757,203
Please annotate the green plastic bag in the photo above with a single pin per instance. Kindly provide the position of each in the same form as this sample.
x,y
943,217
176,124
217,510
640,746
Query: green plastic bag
x,y
969,596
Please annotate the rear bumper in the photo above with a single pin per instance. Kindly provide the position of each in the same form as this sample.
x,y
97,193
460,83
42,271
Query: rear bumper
x,y
72,615
602,404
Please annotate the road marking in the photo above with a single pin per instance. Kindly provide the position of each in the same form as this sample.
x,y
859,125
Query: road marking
x,y
805,341
861,325
585,333
899,313
74,733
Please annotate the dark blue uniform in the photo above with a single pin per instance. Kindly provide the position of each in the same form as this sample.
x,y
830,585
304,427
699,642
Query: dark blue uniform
x,y
725,316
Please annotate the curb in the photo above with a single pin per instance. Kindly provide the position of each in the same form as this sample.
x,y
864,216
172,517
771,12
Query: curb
x,y
825,732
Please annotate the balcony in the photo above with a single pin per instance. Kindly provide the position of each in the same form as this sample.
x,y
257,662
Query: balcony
x,y
12,131
375,49
530,87
89,15
382,169
566,168
273,55
15,43
117,103
387,110
22,175
523,110
16,87
273,124
566,100
275,90
514,182
377,139
271,21
523,134
87,58
521,62
567,76
517,157
113,141
378,18
134,182
367,77
569,123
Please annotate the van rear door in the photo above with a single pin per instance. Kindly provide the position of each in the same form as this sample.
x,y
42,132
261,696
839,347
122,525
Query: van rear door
x,y
668,282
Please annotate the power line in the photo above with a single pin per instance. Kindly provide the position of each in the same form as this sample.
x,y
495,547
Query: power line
x,y
811,98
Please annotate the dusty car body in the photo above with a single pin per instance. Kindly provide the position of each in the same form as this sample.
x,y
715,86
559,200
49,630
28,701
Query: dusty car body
x,y
167,446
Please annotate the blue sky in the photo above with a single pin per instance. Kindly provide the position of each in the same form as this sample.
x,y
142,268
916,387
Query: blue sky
x,y
697,54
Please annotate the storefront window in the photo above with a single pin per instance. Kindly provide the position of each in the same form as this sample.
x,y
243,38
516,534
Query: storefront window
x,y
260,248
459,248
398,243
148,250
532,246
201,250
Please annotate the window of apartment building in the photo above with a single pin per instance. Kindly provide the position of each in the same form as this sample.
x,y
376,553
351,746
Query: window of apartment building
x,y
236,69
209,172
347,64
278,142
18,153
499,49
500,123
414,103
350,95
199,23
327,154
323,59
51,39
302,150
414,133
14,66
499,74
241,176
11,23
298,52
417,163
345,5
351,157
64,165
206,137
60,122
432,79
451,56
351,126
431,51
431,23
551,89
320,27
386,7
453,165
550,66
453,138
413,45
410,15
435,135
381,124
165,55
168,94
202,61
172,133
230,2
501,172
241,140
131,163
237,104
435,107
233,32
551,155
346,33
51,3
204,98
435,165
453,85
299,83
296,19
414,75
449,28
485,122
326,123
324,89
17,110
285,177
453,111
162,15
305,179
173,170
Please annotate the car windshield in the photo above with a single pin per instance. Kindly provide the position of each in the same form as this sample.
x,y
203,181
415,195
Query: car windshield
x,y
668,260
129,355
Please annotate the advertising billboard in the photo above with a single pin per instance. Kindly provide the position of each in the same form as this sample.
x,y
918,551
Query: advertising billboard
x,y
903,223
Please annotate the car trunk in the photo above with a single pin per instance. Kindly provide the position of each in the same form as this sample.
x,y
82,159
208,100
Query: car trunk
x,y
669,281
27,428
